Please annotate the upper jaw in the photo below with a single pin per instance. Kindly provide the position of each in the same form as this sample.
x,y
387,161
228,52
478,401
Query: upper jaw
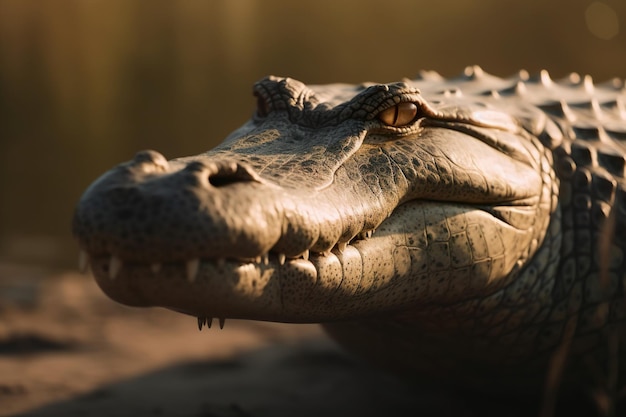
x,y
152,211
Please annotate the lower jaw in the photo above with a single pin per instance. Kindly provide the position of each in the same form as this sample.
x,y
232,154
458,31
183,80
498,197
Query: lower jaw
x,y
283,290
365,278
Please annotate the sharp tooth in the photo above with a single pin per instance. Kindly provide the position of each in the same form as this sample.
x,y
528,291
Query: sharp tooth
x,y
366,234
222,322
155,268
201,322
281,258
114,267
83,261
209,321
266,258
341,246
192,269
305,255
257,260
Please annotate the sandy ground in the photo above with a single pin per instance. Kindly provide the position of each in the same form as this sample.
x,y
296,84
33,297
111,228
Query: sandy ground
x,y
67,350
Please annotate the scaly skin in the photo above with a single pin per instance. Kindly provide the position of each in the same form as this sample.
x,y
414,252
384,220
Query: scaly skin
x,y
479,239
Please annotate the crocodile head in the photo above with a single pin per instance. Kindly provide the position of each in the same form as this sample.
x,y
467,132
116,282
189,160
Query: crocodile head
x,y
331,203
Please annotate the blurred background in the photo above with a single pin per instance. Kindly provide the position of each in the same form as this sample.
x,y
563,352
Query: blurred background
x,y
84,84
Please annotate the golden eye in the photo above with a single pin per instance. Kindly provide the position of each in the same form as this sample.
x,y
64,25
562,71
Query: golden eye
x,y
399,115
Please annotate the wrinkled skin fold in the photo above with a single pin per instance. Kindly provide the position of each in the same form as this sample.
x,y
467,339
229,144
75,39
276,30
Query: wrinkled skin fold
x,y
437,215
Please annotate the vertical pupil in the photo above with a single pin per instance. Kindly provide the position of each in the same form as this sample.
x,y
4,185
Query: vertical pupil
x,y
395,114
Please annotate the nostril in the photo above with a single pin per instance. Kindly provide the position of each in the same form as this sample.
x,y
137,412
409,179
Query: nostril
x,y
220,173
229,172
223,179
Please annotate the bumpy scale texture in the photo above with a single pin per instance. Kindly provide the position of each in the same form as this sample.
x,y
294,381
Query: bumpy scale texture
x,y
477,238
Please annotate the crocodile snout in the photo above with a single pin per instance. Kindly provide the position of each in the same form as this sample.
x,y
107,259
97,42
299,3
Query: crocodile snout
x,y
147,209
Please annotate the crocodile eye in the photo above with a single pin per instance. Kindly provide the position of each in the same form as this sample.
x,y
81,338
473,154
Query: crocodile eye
x,y
399,115
262,106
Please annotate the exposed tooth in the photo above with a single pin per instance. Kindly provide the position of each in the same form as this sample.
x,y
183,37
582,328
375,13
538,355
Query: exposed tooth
x,y
281,258
305,255
201,322
257,260
366,234
209,321
222,322
83,261
155,268
341,246
114,266
266,258
192,269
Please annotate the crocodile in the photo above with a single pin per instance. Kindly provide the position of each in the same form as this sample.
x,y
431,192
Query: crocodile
x,y
470,230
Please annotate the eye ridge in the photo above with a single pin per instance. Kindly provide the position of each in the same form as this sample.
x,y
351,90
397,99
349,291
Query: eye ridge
x,y
399,115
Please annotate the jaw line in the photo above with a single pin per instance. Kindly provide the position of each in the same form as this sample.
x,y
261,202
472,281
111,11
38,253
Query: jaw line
x,y
366,277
